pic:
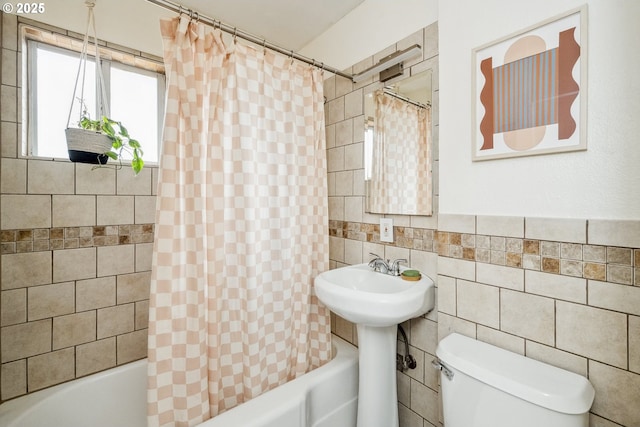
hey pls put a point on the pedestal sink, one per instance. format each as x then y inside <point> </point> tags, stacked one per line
<point>376,303</point>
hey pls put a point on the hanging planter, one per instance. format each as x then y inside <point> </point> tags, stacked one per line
<point>97,141</point>
<point>86,146</point>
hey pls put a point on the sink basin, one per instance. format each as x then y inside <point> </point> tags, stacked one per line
<point>363,296</point>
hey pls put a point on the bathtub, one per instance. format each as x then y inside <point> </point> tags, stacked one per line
<point>324,397</point>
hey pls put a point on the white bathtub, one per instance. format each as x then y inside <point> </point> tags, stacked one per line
<point>325,397</point>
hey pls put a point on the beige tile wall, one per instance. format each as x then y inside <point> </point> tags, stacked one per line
<point>75,258</point>
<point>564,317</point>
<point>552,308</point>
<point>563,291</point>
<point>355,233</point>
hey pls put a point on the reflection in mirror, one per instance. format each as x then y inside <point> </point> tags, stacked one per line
<point>397,148</point>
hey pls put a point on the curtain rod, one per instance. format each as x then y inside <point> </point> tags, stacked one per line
<point>177,8</point>
<point>405,99</point>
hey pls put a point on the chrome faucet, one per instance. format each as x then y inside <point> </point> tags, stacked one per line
<point>380,265</point>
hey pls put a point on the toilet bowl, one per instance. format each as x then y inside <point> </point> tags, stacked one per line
<point>486,386</point>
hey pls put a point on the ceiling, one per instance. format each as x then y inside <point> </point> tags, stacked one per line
<point>290,24</point>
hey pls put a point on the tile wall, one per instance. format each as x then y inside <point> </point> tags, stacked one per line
<point>355,233</point>
<point>76,248</point>
<point>563,291</point>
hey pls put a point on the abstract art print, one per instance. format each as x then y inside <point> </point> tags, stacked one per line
<point>529,90</point>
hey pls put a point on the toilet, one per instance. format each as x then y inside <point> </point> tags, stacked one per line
<point>486,386</point>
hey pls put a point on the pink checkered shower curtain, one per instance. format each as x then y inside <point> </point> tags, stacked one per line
<point>402,157</point>
<point>241,227</point>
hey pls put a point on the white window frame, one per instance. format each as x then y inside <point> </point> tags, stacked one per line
<point>29,97</point>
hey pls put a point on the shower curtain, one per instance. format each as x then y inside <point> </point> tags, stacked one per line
<point>402,157</point>
<point>241,227</point>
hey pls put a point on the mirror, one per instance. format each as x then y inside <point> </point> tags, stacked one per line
<point>397,147</point>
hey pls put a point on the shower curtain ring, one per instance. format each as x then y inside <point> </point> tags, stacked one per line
<point>235,34</point>
<point>197,15</point>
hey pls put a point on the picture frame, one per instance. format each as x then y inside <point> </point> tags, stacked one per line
<point>529,90</point>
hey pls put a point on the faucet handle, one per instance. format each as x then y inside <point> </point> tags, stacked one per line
<point>374,260</point>
<point>395,266</point>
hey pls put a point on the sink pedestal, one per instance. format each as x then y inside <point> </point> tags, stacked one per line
<point>377,395</point>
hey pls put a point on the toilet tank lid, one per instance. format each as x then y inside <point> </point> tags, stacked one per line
<point>536,382</point>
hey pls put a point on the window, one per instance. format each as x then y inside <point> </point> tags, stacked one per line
<point>135,96</point>
<point>368,148</point>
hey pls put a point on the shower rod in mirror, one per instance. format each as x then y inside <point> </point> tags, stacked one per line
<point>177,8</point>
<point>390,92</point>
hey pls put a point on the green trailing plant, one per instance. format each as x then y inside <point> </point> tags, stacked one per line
<point>121,141</point>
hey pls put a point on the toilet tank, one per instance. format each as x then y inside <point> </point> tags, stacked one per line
<point>493,387</point>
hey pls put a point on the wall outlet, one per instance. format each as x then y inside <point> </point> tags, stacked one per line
<point>386,230</point>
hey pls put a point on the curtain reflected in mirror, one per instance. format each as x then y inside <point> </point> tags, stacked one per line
<point>398,148</point>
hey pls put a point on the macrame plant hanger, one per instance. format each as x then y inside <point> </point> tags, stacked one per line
<point>87,146</point>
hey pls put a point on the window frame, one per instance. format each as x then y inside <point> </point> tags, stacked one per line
<point>29,79</point>
<point>161,83</point>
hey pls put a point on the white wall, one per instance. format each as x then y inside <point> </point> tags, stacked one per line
<point>602,182</point>
<point>370,28</point>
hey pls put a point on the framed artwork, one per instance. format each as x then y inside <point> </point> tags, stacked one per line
<point>530,90</point>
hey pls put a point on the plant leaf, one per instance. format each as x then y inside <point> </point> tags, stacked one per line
<point>137,165</point>
<point>123,130</point>
<point>121,141</point>
<point>108,129</point>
